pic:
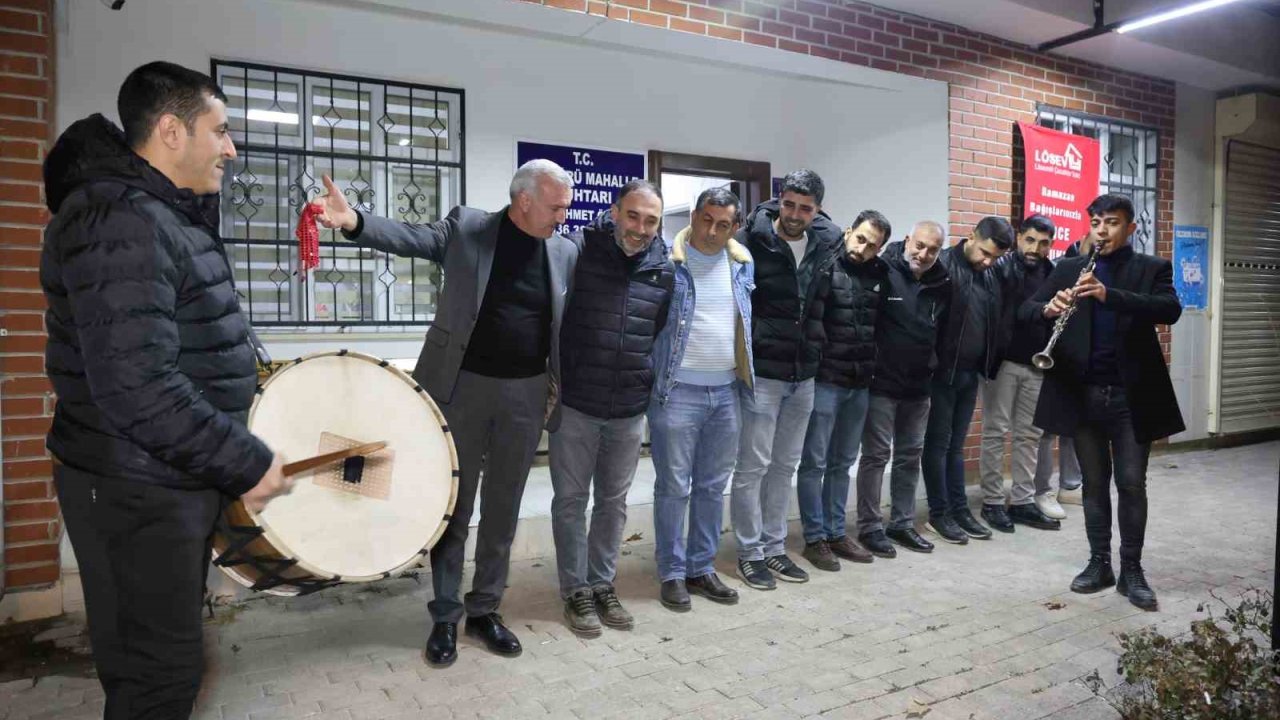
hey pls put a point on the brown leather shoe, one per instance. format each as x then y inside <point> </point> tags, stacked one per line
<point>846,548</point>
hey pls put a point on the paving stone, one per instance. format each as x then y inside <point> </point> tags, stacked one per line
<point>988,630</point>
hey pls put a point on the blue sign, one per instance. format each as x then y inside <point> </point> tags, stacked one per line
<point>597,175</point>
<point>1191,265</point>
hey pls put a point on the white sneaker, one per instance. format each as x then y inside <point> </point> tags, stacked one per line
<point>1048,504</point>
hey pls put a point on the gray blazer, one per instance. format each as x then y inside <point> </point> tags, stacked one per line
<point>463,243</point>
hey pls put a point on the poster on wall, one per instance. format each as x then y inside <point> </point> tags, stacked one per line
<point>1061,180</point>
<point>597,175</point>
<point>1191,265</point>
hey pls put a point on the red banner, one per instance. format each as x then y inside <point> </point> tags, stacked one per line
<point>1061,180</point>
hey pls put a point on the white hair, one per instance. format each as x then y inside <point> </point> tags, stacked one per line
<point>527,176</point>
<point>930,227</point>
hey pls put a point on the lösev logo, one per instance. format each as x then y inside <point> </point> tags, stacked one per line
<point>1071,158</point>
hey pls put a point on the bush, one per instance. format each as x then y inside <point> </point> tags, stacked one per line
<point>1223,669</point>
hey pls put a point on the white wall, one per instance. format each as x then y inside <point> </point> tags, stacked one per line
<point>1193,160</point>
<point>878,139</point>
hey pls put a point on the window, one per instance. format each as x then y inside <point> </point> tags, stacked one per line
<point>394,149</point>
<point>1130,160</point>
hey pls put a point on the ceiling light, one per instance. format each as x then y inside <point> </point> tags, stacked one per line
<point>1172,15</point>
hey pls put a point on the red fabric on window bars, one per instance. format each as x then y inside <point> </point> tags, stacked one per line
<point>308,238</point>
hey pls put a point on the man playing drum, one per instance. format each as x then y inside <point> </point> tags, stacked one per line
<point>491,361</point>
<point>149,356</point>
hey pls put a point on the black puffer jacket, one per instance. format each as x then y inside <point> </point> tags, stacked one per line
<point>148,351</point>
<point>852,295</point>
<point>786,329</point>
<point>619,305</point>
<point>910,322</point>
<point>963,277</point>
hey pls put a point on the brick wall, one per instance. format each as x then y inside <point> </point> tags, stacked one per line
<point>992,84</point>
<point>31,524</point>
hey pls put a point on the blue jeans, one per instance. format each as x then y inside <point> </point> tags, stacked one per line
<point>694,442</point>
<point>1105,447</point>
<point>1069,477</point>
<point>830,447</point>
<point>951,408</point>
<point>773,425</point>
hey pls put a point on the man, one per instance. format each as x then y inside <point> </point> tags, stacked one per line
<point>490,361</point>
<point>789,238</point>
<point>1009,400</point>
<point>150,360</point>
<point>969,350</point>
<point>853,287</point>
<point>622,285</point>
<point>1069,477</point>
<point>906,357</point>
<point>702,364</point>
<point>1109,387</point>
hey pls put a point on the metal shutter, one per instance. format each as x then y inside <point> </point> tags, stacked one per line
<point>1250,363</point>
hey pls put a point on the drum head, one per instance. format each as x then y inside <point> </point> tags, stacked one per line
<point>343,521</point>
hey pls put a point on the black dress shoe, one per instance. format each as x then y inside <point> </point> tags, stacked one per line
<point>997,517</point>
<point>1097,575</point>
<point>909,539</point>
<point>712,588</point>
<point>495,635</point>
<point>1032,516</point>
<point>970,525</point>
<point>1133,585</point>
<point>948,530</point>
<point>878,544</point>
<point>442,644</point>
<point>674,596</point>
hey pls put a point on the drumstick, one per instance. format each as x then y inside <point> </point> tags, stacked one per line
<point>294,468</point>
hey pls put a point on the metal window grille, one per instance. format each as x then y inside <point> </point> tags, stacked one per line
<point>394,149</point>
<point>1130,163</point>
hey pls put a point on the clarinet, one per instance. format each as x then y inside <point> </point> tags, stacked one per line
<point>1044,359</point>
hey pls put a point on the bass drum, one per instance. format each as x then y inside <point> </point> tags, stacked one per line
<point>355,521</point>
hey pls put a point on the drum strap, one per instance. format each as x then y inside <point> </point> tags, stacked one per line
<point>239,537</point>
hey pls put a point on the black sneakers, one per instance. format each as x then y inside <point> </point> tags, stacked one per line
<point>970,525</point>
<point>755,574</point>
<point>909,539</point>
<point>1097,575</point>
<point>1133,585</point>
<point>948,530</point>
<point>785,569</point>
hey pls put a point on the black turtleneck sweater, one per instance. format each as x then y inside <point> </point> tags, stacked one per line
<point>512,335</point>
<point>1104,368</point>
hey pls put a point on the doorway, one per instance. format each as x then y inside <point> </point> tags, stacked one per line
<point>683,177</point>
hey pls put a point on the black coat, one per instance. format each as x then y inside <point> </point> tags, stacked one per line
<point>148,352</point>
<point>619,305</point>
<point>786,329</point>
<point>852,295</point>
<point>1142,296</point>
<point>963,278</point>
<point>908,328</point>
<point>1022,337</point>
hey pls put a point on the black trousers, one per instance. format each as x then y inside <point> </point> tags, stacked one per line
<point>143,552</point>
<point>1105,447</point>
